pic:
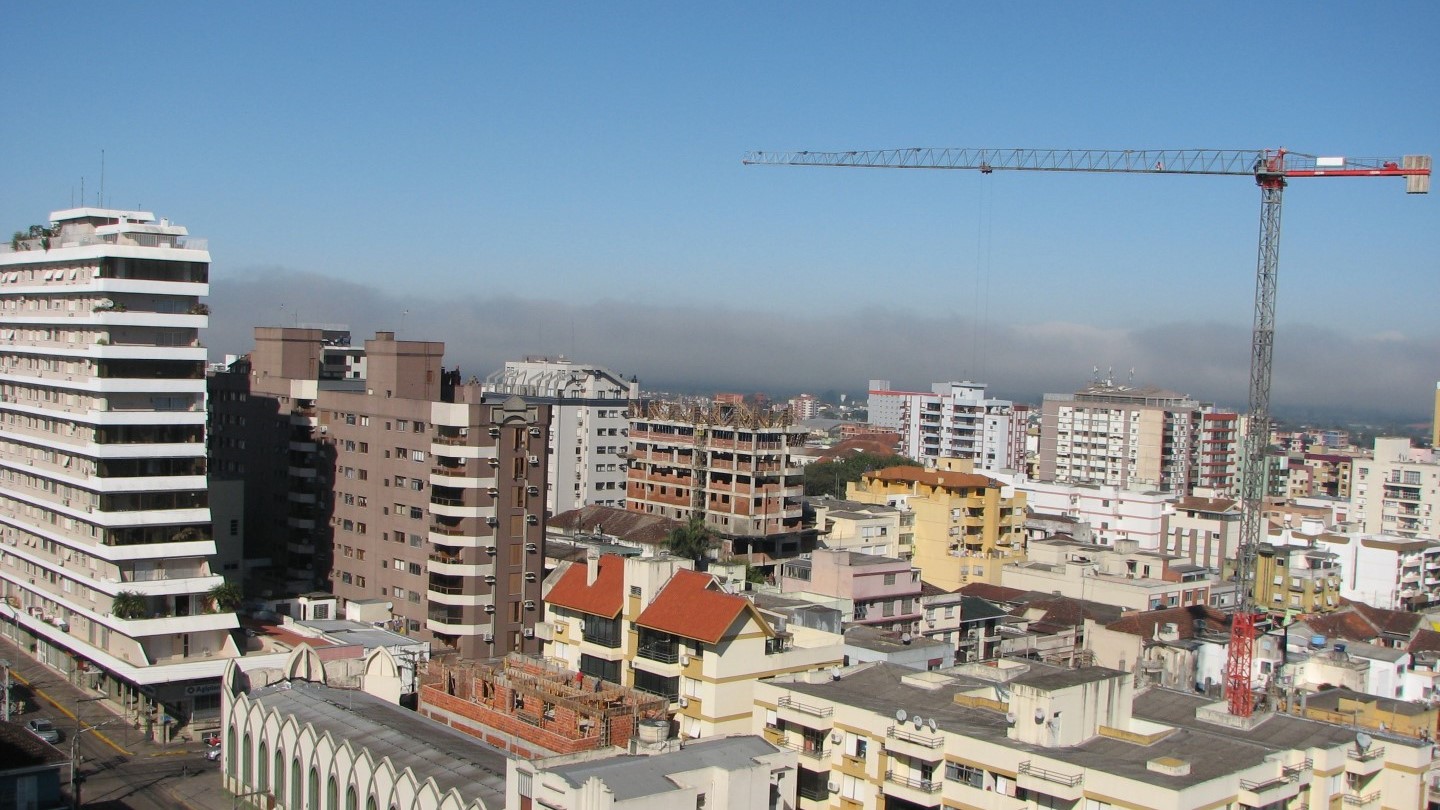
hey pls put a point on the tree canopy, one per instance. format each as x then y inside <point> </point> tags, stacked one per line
<point>692,540</point>
<point>830,477</point>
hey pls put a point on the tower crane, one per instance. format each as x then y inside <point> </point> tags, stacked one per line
<point>1271,169</point>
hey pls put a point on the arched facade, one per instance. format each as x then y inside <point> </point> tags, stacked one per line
<point>294,760</point>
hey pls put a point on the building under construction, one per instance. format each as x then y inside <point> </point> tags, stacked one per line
<point>729,463</point>
<point>534,708</point>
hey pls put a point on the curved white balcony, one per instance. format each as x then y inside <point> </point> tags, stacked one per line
<point>448,510</point>
<point>440,449</point>
<point>464,480</point>
<point>459,599</point>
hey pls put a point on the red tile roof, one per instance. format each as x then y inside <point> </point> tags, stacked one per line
<point>934,478</point>
<point>1425,641</point>
<point>604,598</point>
<point>1184,618</point>
<point>692,605</point>
<point>635,527</point>
<point>994,593</point>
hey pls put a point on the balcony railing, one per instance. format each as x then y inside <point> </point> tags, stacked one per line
<point>922,740</point>
<point>1069,780</point>
<point>664,653</point>
<point>922,785</point>
<point>788,702</point>
<point>818,793</point>
<point>1358,800</point>
<point>1373,752</point>
<point>613,642</point>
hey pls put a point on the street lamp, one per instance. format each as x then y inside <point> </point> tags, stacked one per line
<point>75,780</point>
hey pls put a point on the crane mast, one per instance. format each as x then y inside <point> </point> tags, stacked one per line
<point>1271,170</point>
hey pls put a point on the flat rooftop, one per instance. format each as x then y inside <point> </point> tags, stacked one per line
<point>1211,750</point>
<point>454,760</point>
<point>633,776</point>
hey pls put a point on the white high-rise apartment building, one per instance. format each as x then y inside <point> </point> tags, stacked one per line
<point>105,535</point>
<point>1397,491</point>
<point>1134,438</point>
<point>952,420</point>
<point>590,410</point>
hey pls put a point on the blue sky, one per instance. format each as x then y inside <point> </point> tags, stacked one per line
<point>578,153</point>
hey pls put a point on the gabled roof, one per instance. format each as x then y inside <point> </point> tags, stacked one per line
<point>993,593</point>
<point>1389,622</point>
<point>1144,624</point>
<point>1425,640</point>
<point>1064,611</point>
<point>604,598</point>
<point>692,605</point>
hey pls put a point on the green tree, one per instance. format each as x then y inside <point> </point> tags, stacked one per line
<point>830,477</point>
<point>692,540</point>
<point>226,597</point>
<point>129,605</point>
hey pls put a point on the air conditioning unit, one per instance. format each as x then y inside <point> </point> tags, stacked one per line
<point>489,638</point>
<point>494,491</point>
<point>684,701</point>
<point>532,490</point>
<point>534,459</point>
<point>494,462</point>
<point>834,788</point>
<point>530,576</point>
<point>489,608</point>
<point>529,604</point>
<point>534,431</point>
<point>494,432</point>
<point>684,660</point>
<point>529,632</point>
<point>837,738</point>
<point>492,520</point>
<point>489,579</point>
<point>489,549</point>
<point>532,519</point>
<point>531,547</point>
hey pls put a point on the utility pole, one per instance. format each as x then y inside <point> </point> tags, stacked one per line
<point>5,702</point>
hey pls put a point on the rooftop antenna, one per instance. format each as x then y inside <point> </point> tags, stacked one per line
<point>102,178</point>
<point>403,316</point>
<point>1131,379</point>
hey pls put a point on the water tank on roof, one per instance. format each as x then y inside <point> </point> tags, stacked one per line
<point>1317,642</point>
<point>653,731</point>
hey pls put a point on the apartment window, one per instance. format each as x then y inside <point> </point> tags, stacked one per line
<point>417,455</point>
<point>359,528</point>
<point>359,581</point>
<point>364,421</point>
<point>889,579</point>
<point>416,513</point>
<point>414,568</point>
<point>399,564</point>
<point>888,609</point>
<point>402,424</point>
<point>398,537</point>
<point>399,593</point>
<point>359,553</point>
<point>416,541</point>
<point>401,481</point>
<point>965,774</point>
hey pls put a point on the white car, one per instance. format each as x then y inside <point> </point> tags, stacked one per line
<point>44,729</point>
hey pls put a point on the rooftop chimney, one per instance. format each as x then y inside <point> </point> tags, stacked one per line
<point>592,567</point>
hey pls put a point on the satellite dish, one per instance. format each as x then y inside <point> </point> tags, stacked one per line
<point>1363,741</point>
<point>1039,716</point>
<point>919,721</point>
<point>901,715</point>
<point>1010,717</point>
<point>932,724</point>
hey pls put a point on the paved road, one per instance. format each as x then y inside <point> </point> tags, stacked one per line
<point>119,769</point>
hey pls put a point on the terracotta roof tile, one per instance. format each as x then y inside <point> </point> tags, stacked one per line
<point>636,527</point>
<point>933,478</point>
<point>1184,618</point>
<point>604,598</point>
<point>993,593</point>
<point>692,605</point>
<point>1425,641</point>
<point>1395,622</point>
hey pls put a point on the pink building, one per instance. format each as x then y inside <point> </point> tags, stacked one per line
<point>877,591</point>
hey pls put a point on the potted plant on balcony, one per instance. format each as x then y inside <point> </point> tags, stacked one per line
<point>225,597</point>
<point>128,605</point>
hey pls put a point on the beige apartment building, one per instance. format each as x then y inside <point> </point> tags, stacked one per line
<point>964,526</point>
<point>654,624</point>
<point>1397,491</point>
<point>1025,735</point>
<point>1137,438</point>
<point>1124,575</point>
<point>105,526</point>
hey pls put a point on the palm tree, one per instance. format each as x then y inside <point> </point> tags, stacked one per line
<point>692,540</point>
<point>226,597</point>
<point>129,605</point>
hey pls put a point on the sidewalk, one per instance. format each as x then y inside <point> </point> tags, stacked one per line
<point>67,704</point>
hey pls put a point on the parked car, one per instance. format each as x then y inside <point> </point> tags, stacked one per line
<point>212,753</point>
<point>44,729</point>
